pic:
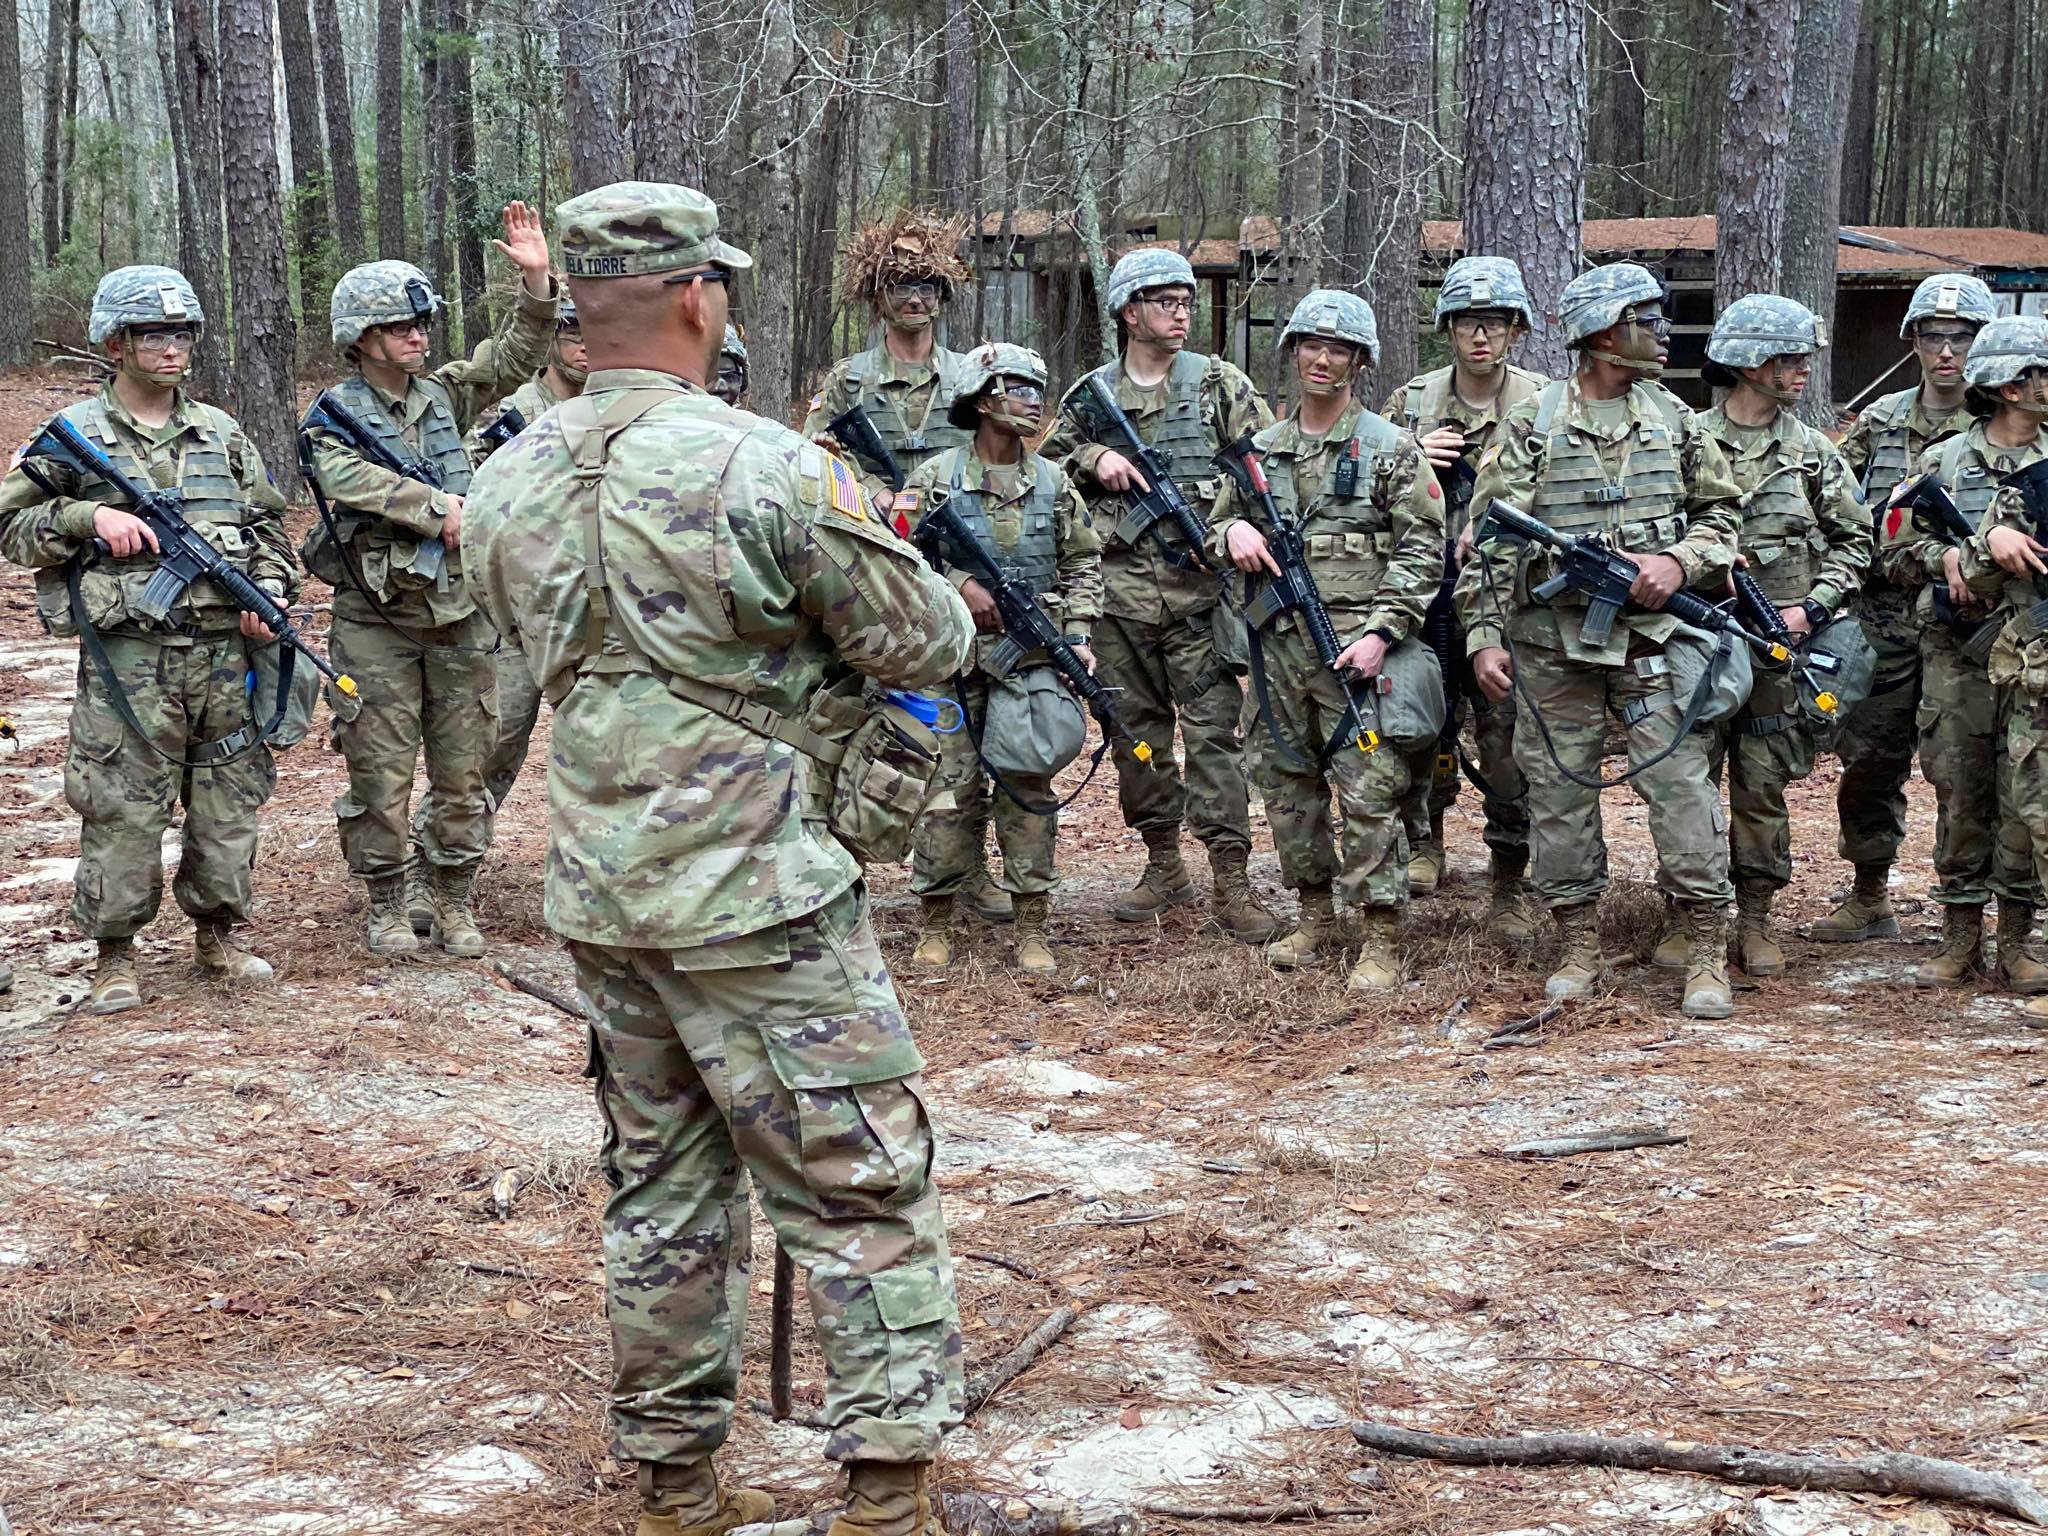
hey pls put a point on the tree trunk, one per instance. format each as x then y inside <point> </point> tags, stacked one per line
<point>67,160</point>
<point>311,235</point>
<point>1629,154</point>
<point>1073,42</point>
<point>53,129</point>
<point>956,140</point>
<point>1825,48</point>
<point>775,271</point>
<point>392,242</point>
<point>1401,168</point>
<point>668,112</point>
<point>174,117</point>
<point>202,235</point>
<point>264,338</point>
<point>590,87</point>
<point>17,245</point>
<point>1756,132</point>
<point>1859,139</point>
<point>339,102</point>
<point>1525,151</point>
<point>434,110</point>
<point>468,215</point>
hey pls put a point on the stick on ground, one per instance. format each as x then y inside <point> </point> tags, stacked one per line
<point>1920,1477</point>
<point>782,1322</point>
<point>1257,1514</point>
<point>1019,1360</point>
<point>1598,1141</point>
<point>541,990</point>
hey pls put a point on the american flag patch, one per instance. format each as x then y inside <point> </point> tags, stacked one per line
<point>846,497</point>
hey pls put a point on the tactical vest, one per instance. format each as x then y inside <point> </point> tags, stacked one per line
<point>440,437</point>
<point>1033,557</point>
<point>1185,438</point>
<point>1781,529</point>
<point>1891,455</point>
<point>1971,483</point>
<point>1349,539</point>
<point>912,442</point>
<point>1644,511</point>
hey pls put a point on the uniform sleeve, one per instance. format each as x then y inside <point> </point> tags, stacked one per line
<point>1244,409</point>
<point>274,566</point>
<point>1856,446</point>
<point>1906,554</point>
<point>350,480</point>
<point>1067,445</point>
<point>1506,471</point>
<point>504,361</point>
<point>1079,556</point>
<point>473,444</point>
<point>1415,566</point>
<point>36,530</point>
<point>1981,573</point>
<point>1845,524</point>
<point>1397,405</point>
<point>1231,506</point>
<point>826,403</point>
<point>1713,510</point>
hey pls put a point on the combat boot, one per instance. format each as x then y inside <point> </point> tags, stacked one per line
<point>1316,932</point>
<point>1674,945</point>
<point>115,985</point>
<point>220,956</point>
<point>1426,861</point>
<point>984,898</point>
<point>684,1499</point>
<point>1961,955</point>
<point>390,931</point>
<point>1164,884</point>
<point>419,905</point>
<point>1755,950</point>
<point>2018,962</point>
<point>1507,915</point>
<point>2035,1014</point>
<point>1032,954</point>
<point>1707,992</point>
<point>1580,965</point>
<point>888,1498</point>
<point>448,890</point>
<point>1235,907</point>
<point>935,934</point>
<point>1867,914</point>
<point>1379,963</point>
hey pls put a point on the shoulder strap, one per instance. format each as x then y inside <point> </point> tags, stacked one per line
<point>1375,434</point>
<point>587,432</point>
<point>1952,451</point>
<point>1548,403</point>
<point>1435,398</point>
<point>1671,409</point>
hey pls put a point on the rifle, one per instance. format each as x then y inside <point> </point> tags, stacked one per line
<point>1440,621</point>
<point>941,536</point>
<point>1294,591</point>
<point>431,558</point>
<point>183,556</point>
<point>1162,500</point>
<point>500,432</point>
<point>855,431</point>
<point>1754,606</point>
<point>1935,514</point>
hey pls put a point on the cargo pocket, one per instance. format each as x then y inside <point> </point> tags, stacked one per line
<point>865,1149</point>
<point>93,781</point>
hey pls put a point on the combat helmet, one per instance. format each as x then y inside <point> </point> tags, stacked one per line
<point>2006,350</point>
<point>1483,282</point>
<point>141,295</point>
<point>565,309</point>
<point>1756,328</point>
<point>1338,315</point>
<point>1594,300</point>
<point>731,380</point>
<point>1949,296</point>
<point>380,293</point>
<point>1146,268</point>
<point>985,364</point>
<point>734,346</point>
<point>910,245</point>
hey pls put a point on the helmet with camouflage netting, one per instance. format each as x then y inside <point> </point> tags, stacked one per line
<point>1949,296</point>
<point>1758,327</point>
<point>142,295</point>
<point>1483,282</point>
<point>1340,316</point>
<point>987,363</point>
<point>380,293</point>
<point>1144,269</point>
<point>565,310</point>
<point>2005,351</point>
<point>1594,300</point>
<point>911,245</point>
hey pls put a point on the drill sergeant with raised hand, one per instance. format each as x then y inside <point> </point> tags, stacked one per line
<point>731,383</point>
<point>185,679</point>
<point>1024,509</point>
<point>1456,411</point>
<point>415,641</point>
<point>683,575</point>
<point>1876,741</point>
<point>1981,847</point>
<point>1167,640</point>
<point>1610,453</point>
<point>1806,539</point>
<point>1372,516</point>
<point>2007,558</point>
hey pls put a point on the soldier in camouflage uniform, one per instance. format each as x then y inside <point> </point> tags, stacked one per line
<point>2006,561</point>
<point>1981,848</point>
<point>1609,452</point>
<point>1876,741</point>
<point>414,640</point>
<point>1806,538</point>
<point>1166,639</point>
<point>1455,411</point>
<point>744,1021</point>
<point>186,679</point>
<point>1372,514</point>
<point>1025,510</point>
<point>731,383</point>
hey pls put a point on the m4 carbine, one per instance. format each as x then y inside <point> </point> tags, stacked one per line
<point>183,555</point>
<point>329,414</point>
<point>510,424</point>
<point>1161,500</point>
<point>1926,500</point>
<point>854,430</point>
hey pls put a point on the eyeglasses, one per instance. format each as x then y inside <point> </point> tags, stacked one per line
<point>1937,342</point>
<point>1469,325</point>
<point>401,328</point>
<point>1311,346</point>
<point>1024,390</point>
<point>1169,303</point>
<point>1657,324</point>
<point>903,292</point>
<point>569,332</point>
<point>163,341</point>
<point>705,274</point>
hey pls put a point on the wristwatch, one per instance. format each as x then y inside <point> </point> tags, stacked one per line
<point>1078,640</point>
<point>1815,614</point>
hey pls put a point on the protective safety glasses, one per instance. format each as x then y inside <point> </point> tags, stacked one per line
<point>163,341</point>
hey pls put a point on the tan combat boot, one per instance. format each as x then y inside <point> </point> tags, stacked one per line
<point>115,985</point>
<point>1507,913</point>
<point>419,905</point>
<point>1580,965</point>
<point>1707,992</point>
<point>1236,907</point>
<point>1316,932</point>
<point>1867,914</point>
<point>1164,884</point>
<point>684,1499</point>
<point>1032,954</point>
<point>2035,1014</point>
<point>1960,958</point>
<point>1756,951</point>
<point>390,931</point>
<point>984,898</point>
<point>220,956</point>
<point>1379,964</point>
<point>448,890</point>
<point>1426,862</point>
<point>888,1498</point>
<point>1674,945</point>
<point>2018,962</point>
<point>935,934</point>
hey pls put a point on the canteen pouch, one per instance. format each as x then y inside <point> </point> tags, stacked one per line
<point>267,662</point>
<point>872,781</point>
<point>1410,687</point>
<point>1840,659</point>
<point>1694,659</point>
<point>1034,725</point>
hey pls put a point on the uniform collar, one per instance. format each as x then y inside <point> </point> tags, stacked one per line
<point>183,415</point>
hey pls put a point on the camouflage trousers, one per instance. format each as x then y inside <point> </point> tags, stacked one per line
<point>1434,780</point>
<point>797,1071</point>
<point>1170,675</point>
<point>1875,742</point>
<point>1367,859</point>
<point>185,693</point>
<point>2026,751</point>
<point>518,713</point>
<point>1566,842</point>
<point>1981,847</point>
<point>949,843</point>
<point>435,690</point>
<point>1768,744</point>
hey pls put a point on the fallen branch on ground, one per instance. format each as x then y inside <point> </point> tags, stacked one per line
<point>1014,1266</point>
<point>1511,1034</point>
<point>1006,1370</point>
<point>1896,1472</point>
<point>782,1323</point>
<point>1257,1514</point>
<point>1598,1141</point>
<point>543,991</point>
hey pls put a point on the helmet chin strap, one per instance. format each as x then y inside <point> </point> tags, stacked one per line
<point>1325,390</point>
<point>1648,367</point>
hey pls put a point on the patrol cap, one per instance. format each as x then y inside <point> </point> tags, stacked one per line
<point>638,228</point>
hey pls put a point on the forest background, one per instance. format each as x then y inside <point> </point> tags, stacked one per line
<point>263,146</point>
